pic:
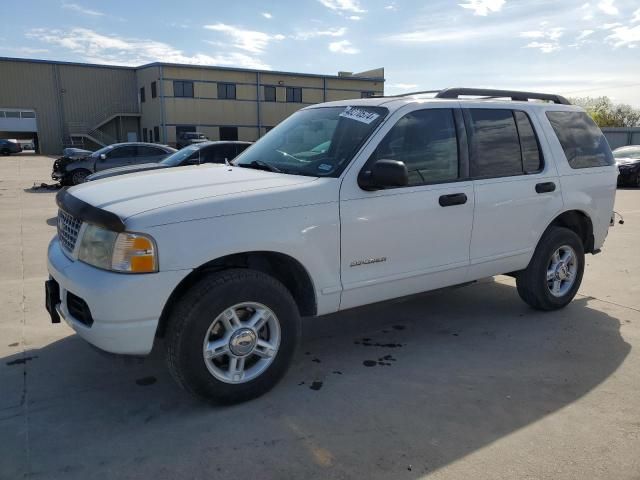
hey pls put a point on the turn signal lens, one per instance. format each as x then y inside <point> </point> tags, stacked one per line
<point>134,253</point>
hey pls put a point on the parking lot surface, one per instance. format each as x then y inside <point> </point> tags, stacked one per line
<point>467,382</point>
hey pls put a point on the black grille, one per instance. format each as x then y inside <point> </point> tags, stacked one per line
<point>79,309</point>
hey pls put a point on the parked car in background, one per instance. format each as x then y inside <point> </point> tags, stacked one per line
<point>189,138</point>
<point>7,147</point>
<point>28,146</point>
<point>72,171</point>
<point>206,152</point>
<point>628,162</point>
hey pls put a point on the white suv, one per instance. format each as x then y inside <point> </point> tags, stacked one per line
<point>343,204</point>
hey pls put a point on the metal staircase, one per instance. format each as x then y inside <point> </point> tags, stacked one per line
<point>76,134</point>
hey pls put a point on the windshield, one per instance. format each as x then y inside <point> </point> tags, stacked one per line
<point>627,152</point>
<point>315,142</point>
<point>177,158</point>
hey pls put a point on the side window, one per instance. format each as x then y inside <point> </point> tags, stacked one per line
<point>241,147</point>
<point>182,88</point>
<point>144,151</point>
<point>426,141</point>
<point>494,144</point>
<point>218,153</point>
<point>583,143</point>
<point>227,90</point>
<point>122,152</point>
<point>531,155</point>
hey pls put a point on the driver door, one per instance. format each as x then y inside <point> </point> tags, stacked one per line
<point>403,240</point>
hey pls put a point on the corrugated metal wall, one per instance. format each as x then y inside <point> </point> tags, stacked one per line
<point>620,137</point>
<point>63,93</point>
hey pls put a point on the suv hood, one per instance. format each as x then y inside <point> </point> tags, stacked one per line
<point>112,172</point>
<point>190,191</point>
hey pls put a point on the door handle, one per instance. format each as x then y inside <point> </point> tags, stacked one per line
<point>545,187</point>
<point>453,199</point>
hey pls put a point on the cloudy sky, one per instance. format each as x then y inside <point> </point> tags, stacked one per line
<point>576,48</point>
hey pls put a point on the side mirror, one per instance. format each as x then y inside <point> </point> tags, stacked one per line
<point>384,173</point>
<point>103,156</point>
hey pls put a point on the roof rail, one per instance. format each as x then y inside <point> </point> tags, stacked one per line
<point>512,94</point>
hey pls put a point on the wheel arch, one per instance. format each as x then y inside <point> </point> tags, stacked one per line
<point>286,269</point>
<point>579,222</point>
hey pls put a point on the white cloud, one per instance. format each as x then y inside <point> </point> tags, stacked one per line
<point>587,10</point>
<point>584,34</point>
<point>391,7</point>
<point>610,26</point>
<point>354,17</point>
<point>247,40</point>
<point>625,36</point>
<point>483,7</point>
<point>343,5</point>
<point>24,50</point>
<point>330,32</point>
<point>343,46</point>
<point>436,36</point>
<point>80,9</point>
<point>608,7</point>
<point>636,16</point>
<point>112,50</point>
<point>267,15</point>
<point>551,33</point>
<point>545,47</point>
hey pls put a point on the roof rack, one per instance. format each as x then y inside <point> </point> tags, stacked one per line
<point>488,93</point>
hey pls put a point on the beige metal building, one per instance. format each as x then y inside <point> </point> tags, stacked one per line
<point>61,104</point>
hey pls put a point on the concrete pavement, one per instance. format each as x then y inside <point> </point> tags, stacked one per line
<point>464,383</point>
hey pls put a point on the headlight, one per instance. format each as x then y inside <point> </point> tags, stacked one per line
<point>119,252</point>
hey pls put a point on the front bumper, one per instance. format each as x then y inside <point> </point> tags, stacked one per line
<point>125,308</point>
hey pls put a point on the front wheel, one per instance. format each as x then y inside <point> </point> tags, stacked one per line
<point>79,176</point>
<point>553,276</point>
<point>6,152</point>
<point>232,336</point>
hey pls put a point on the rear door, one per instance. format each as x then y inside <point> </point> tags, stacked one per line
<point>517,193</point>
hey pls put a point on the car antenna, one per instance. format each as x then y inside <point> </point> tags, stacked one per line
<point>226,162</point>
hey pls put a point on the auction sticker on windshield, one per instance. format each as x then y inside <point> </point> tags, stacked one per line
<point>359,115</point>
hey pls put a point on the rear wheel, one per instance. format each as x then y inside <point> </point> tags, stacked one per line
<point>232,336</point>
<point>553,277</point>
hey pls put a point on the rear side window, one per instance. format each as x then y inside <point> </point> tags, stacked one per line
<point>495,148</point>
<point>531,156</point>
<point>502,143</point>
<point>583,143</point>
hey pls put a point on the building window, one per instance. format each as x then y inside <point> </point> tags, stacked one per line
<point>144,135</point>
<point>154,90</point>
<point>269,93</point>
<point>151,136</point>
<point>294,94</point>
<point>142,97</point>
<point>367,94</point>
<point>228,133</point>
<point>182,89</point>
<point>156,133</point>
<point>227,90</point>
<point>11,114</point>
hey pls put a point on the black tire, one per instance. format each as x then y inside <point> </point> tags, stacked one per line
<point>636,183</point>
<point>6,152</point>
<point>532,282</point>
<point>193,314</point>
<point>79,176</point>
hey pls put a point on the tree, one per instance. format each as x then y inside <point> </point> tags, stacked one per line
<point>607,114</point>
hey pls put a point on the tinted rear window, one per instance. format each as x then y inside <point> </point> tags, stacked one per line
<point>495,147</point>
<point>583,143</point>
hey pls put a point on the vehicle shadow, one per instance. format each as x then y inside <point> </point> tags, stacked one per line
<point>422,381</point>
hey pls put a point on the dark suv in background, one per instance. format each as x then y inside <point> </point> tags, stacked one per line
<point>189,138</point>
<point>7,147</point>
<point>206,152</point>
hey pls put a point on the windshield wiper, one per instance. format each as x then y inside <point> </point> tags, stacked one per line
<point>260,165</point>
